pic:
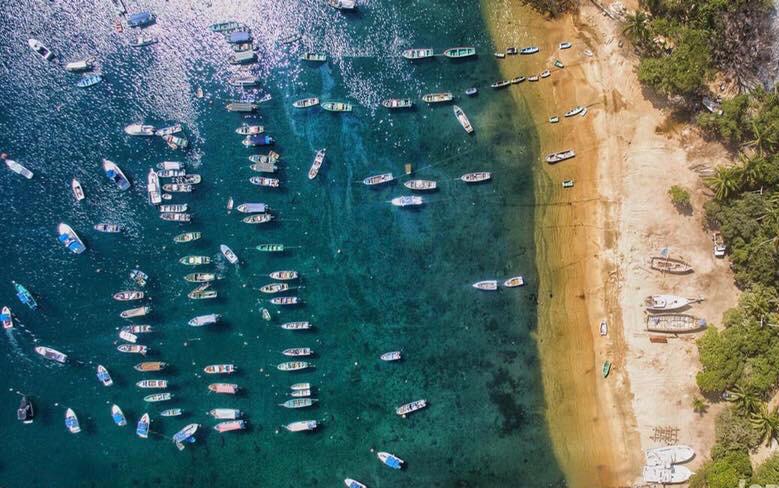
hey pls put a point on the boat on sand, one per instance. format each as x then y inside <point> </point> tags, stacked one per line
<point>674,323</point>
<point>670,265</point>
<point>666,475</point>
<point>668,455</point>
<point>666,303</point>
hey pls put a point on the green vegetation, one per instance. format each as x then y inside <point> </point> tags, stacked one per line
<point>680,197</point>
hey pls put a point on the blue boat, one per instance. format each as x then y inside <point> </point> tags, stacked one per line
<point>116,175</point>
<point>118,416</point>
<point>88,81</point>
<point>141,19</point>
<point>143,427</point>
<point>239,37</point>
<point>68,237</point>
<point>258,140</point>
<point>25,296</point>
<point>186,433</point>
<point>390,460</point>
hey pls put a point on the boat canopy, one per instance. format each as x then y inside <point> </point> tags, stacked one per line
<point>239,37</point>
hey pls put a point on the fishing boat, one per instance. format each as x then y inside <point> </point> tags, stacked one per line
<point>115,174</point>
<point>118,415</point>
<point>271,157</point>
<point>68,237</point>
<point>144,41</point>
<point>195,260</point>
<point>262,181</point>
<point>133,349</point>
<point>378,179</point>
<point>171,412</point>
<point>606,368</point>
<point>674,323</point>
<point>201,294</point>
<point>533,78</point>
<point>228,254</point>
<point>258,140</point>
<point>103,376</point>
<point>25,296</point>
<point>560,156</point>
<point>139,130</point>
<point>18,168</point>
<point>71,421</point>
<point>298,351</point>
<point>306,102</point>
<point>300,386</point>
<point>135,312</point>
<point>514,282</point>
<point>108,228</point>
<point>318,160</point>
<point>471,91</point>
<point>158,397</point>
<point>407,201</point>
<point>666,303</point>
<point>128,336</point>
<point>257,218</point>
<point>185,433</point>
<point>351,483</point>
<point>6,318</point>
<point>225,413</point>
<point>124,296</point>
<point>565,45</point>
<point>460,52</point>
<point>187,237</point>
<point>529,50</point>
<point>202,320</point>
<point>517,80</point>
<point>500,83</point>
<point>230,425</point>
<point>315,57</point>
<point>250,130</point>
<point>438,97</point>
<point>298,403</point>
<point>396,103</point>
<point>150,366</point>
<point>668,455</point>
<point>274,288</point>
<point>219,369</point>
<point>222,27</point>
<point>285,301</point>
<point>175,165</point>
<point>408,408</point>
<point>574,111</point>
<point>390,460</point>
<point>171,173</point>
<point>241,107</point>
<point>488,285</point>
<point>52,354</point>
<point>201,277</point>
<point>463,119</point>
<point>670,265</point>
<point>174,208</point>
<point>252,208</point>
<point>666,475</point>
<point>301,426</point>
<point>141,19</point>
<point>225,388</point>
<point>78,191</point>
<point>271,247</point>
<point>175,142</point>
<point>243,57</point>
<point>423,53</point>
<point>230,202</point>
<point>40,49</point>
<point>296,325</point>
<point>137,329</point>
<point>343,4</point>
<point>264,167</point>
<point>337,106</point>
<point>420,185</point>
<point>142,429</point>
<point>300,393</point>
<point>284,275</point>
<point>477,177</point>
<point>294,366</point>
<point>391,356</point>
<point>90,80</point>
<point>166,131</point>
<point>152,384</point>
<point>25,412</point>
<point>244,81</point>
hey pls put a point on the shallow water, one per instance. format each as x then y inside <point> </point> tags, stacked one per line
<point>375,278</point>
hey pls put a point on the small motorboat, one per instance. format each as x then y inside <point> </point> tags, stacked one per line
<point>24,296</point>
<point>71,421</point>
<point>294,366</point>
<point>225,413</point>
<point>407,201</point>
<point>460,52</point>
<point>421,185</point>
<point>219,369</point>
<point>128,295</point>
<point>202,320</point>
<point>391,356</point>
<point>187,237</point>
<point>171,412</point>
<point>529,50</point>
<point>141,19</point>
<point>78,191</point>
<point>337,106</point>
<point>115,174</point>
<point>249,130</point>
<point>230,425</point>
<point>390,460</point>
<point>90,80</point>
<point>158,397</point>
<point>303,325</point>
<point>317,164</point>
<point>408,408</point>
<point>314,57</point>
<point>298,351</point>
<point>137,329</point>
<point>103,376</point>
<point>286,301</point>
<point>150,366</point>
<point>414,54</point>
<point>133,349</point>
<point>258,140</point>
<point>51,354</point>
<point>152,384</point>
<point>175,142</point>
<point>306,102</point>
<point>40,49</point>
<point>144,41</point>
<point>78,66</point>
<point>262,181</point>
<point>274,288</point>
<point>18,169</point>
<point>225,388</point>
<point>252,208</point>
<point>463,119</point>
<point>202,277</point>
<point>140,130</point>
<point>195,260</point>
<point>135,312</point>
<point>397,103</point>
<point>343,4</point>
<point>574,111</point>
<point>166,131</point>
<point>298,403</point>
<point>25,412</point>
<point>351,483</point>
<point>128,336</point>
<point>175,217</point>
<point>301,426</point>
<point>244,81</point>
<point>284,275</point>
<point>438,97</point>
<point>228,254</point>
<point>378,179</point>
<point>257,219</point>
<point>477,177</point>
<point>118,415</point>
<point>471,91</point>
<point>142,430</point>
<point>514,282</point>
<point>6,318</point>
<point>545,74</point>
<point>68,237</point>
<point>185,433</point>
<point>488,285</point>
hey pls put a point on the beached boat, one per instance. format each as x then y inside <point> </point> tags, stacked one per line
<point>257,218</point>
<point>560,156</point>
<point>6,318</point>
<point>554,119</point>
<point>408,408</point>
<point>258,140</point>
<point>251,208</point>
<point>24,296</point>
<point>298,403</point>
<point>529,50</point>
<point>391,356</point>
<point>460,52</point>
<point>574,111</point>
<point>318,160</point>
<point>303,325</point>
<point>108,228</point>
<point>670,265</point>
<point>25,413</point>
<point>262,181</point>
<point>514,282</point>
<point>533,78</point>
<point>407,201</point>
<point>202,320</point>
<point>606,368</point>
<point>250,130</point>
<point>124,296</point>
<point>228,254</point>
<point>71,421</point>
<point>241,107</point>
<point>390,460</point>
<point>337,106</point>
<point>668,455</point>
<point>667,475</point>
<point>285,301</point>
<point>418,53</point>
<point>674,323</point>
<point>565,45</point>
<point>118,415</point>
<point>568,183</point>
<point>666,303</point>
<point>187,237</point>
<point>463,119</point>
<point>517,80</point>
<point>499,55</point>
<point>201,277</point>
<point>224,388</point>
<point>230,425</point>
<point>39,49</point>
<point>171,412</point>
<point>378,179</point>
<point>90,80</point>
<point>301,426</point>
<point>421,185</point>
<point>115,174</point>
<point>133,349</point>
<point>306,102</point>
<point>545,74</point>
<point>137,329</point>
<point>396,103</point>
<point>274,288</point>
<point>142,429</point>
<point>158,397</point>
<point>438,97</point>
<point>225,413</point>
<point>284,275</point>
<point>219,369</point>
<point>68,237</point>
<point>298,351</point>
<point>314,57</point>
<point>51,354</point>
<point>488,285</point>
<point>294,366</point>
<point>104,376</point>
<point>152,384</point>
<point>343,4</point>
<point>500,83</point>
<point>150,366</point>
<point>18,168</point>
<point>195,260</point>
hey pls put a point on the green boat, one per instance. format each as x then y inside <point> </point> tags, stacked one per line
<point>271,247</point>
<point>337,106</point>
<point>606,368</point>
<point>460,52</point>
<point>187,237</point>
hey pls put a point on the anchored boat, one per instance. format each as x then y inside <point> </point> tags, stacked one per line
<point>318,160</point>
<point>337,106</point>
<point>396,103</point>
<point>202,320</point>
<point>52,354</point>
<point>390,460</point>
<point>225,388</point>
<point>378,179</point>
<point>421,185</point>
<point>40,49</point>
<point>391,356</point>
<point>418,53</point>
<point>24,296</point>
<point>6,318</point>
<point>115,174</point>
<point>142,429</point>
<point>488,285</point>
<point>103,376</point>
<point>463,119</point>
<point>407,201</point>
<point>294,366</point>
<point>118,415</point>
<point>408,408</point>
<point>306,102</point>
<point>460,52</point>
<point>438,97</point>
<point>228,254</point>
<point>150,366</point>
<point>18,168</point>
<point>68,237</point>
<point>71,421</point>
<point>301,426</point>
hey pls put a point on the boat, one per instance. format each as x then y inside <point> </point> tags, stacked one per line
<point>225,413</point>
<point>301,426</point>
<point>175,165</point>
<point>668,455</point>
<point>343,4</point>
<point>228,254</point>
<point>6,318</point>
<point>554,119</point>
<point>300,386</point>
<point>460,52</point>
<point>142,430</point>
<point>420,185</point>
<point>137,329</point>
<point>195,260</point>
<point>115,174</point>
<point>606,368</point>
<point>141,19</point>
<point>158,397</point>
<point>463,119</point>
<point>226,26</point>
<point>80,65</point>
<point>201,277</point>
<point>71,421</point>
<point>574,111</point>
<point>351,483</point>
<point>90,80</point>
<point>230,426</point>
<point>274,288</point>
<point>284,275</point>
<point>252,208</point>
<point>152,384</point>
<point>202,294</point>
<point>271,157</point>
<point>390,460</point>
<point>533,78</point>
<point>298,403</point>
<point>202,320</point>
<point>298,351</point>
<point>529,50</point>
<point>68,237</point>
<point>476,177</point>
<point>128,336</point>
<point>185,433</point>
<point>511,50</point>
<point>438,97</point>
<point>40,49</point>
<point>226,388</point>
<point>52,354</point>
<point>250,130</point>
<point>667,475</point>
<point>174,208</point>
<point>408,408</point>
<point>264,167</point>
<point>150,366</point>
<point>378,179</point>
<point>187,237</point>
<point>294,366</point>
<point>300,393</point>
<point>135,312</point>
<point>407,201</point>
<point>258,140</point>
<point>296,325</point>
<point>285,301</point>
<point>499,55</point>
<point>318,160</point>
<point>545,74</point>
<point>418,53</point>
<point>560,156</point>
<point>257,219</point>
<point>271,247</point>
<point>171,173</point>
<point>315,57</point>
<point>175,142</point>
<point>500,83</point>
<point>144,41</point>
<point>103,376</point>
<point>124,296</point>
<point>171,412</point>
<point>488,285</point>
<point>219,369</point>
<point>559,64</point>
<point>262,181</point>
<point>166,131</point>
<point>337,106</point>
<point>670,265</point>
<point>24,296</point>
<point>396,103</point>
<point>133,349</point>
<point>471,91</point>
<point>674,323</point>
<point>514,282</point>
<point>241,107</point>
<point>139,130</point>
<point>391,356</point>
<point>25,412</point>
<point>565,45</point>
<point>568,183</point>
<point>18,168</point>
<point>306,102</point>
<point>665,303</point>
<point>517,80</point>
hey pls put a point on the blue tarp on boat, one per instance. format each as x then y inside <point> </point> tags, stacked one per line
<point>239,37</point>
<point>141,19</point>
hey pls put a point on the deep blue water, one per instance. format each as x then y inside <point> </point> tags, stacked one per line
<point>375,278</point>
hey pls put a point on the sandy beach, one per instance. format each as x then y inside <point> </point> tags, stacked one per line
<point>594,242</point>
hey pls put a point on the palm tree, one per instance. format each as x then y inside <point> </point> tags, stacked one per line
<point>637,28</point>
<point>753,170</point>
<point>746,400</point>
<point>766,423</point>
<point>725,181</point>
<point>699,406</point>
<point>762,142</point>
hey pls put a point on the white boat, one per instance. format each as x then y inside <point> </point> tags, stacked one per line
<point>202,320</point>
<point>477,177</point>
<point>225,413</point>
<point>488,285</point>
<point>303,325</point>
<point>421,185</point>
<point>128,336</point>
<point>306,102</point>
<point>219,369</point>
<point>390,460</point>
<point>667,455</point>
<point>418,53</point>
<point>152,384</point>
<point>250,130</point>
<point>40,49</point>
<point>407,201</point>
<point>408,408</point>
<point>68,237</point>
<point>78,66</point>
<point>318,160</point>
<point>660,303</point>
<point>142,429</point>
<point>560,156</point>
<point>438,97</point>
<point>115,174</point>
<point>297,351</point>
<point>228,254</point>
<point>514,282</point>
<point>144,41</point>
<point>378,179</point>
<point>565,45</point>
<point>166,131</point>
<point>463,119</point>
<point>343,4</point>
<point>667,475</point>
<point>135,312</point>
<point>18,168</point>
<point>252,208</point>
<point>391,356</point>
<point>103,376</point>
<point>529,50</point>
<point>301,426</point>
<point>52,354</point>
<point>300,386</point>
<point>139,130</point>
<point>175,165</point>
<point>6,318</point>
<point>78,191</point>
<point>71,421</point>
<point>574,111</point>
<point>118,415</point>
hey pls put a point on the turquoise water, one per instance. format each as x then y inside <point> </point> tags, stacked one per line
<point>375,277</point>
